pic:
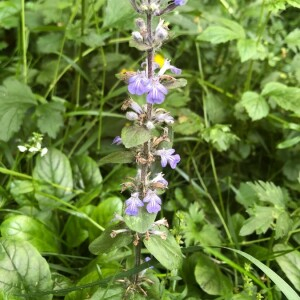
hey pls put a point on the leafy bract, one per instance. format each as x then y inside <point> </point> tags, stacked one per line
<point>166,251</point>
<point>15,99</point>
<point>28,229</point>
<point>210,278</point>
<point>118,157</point>
<point>54,177</point>
<point>23,270</point>
<point>133,136</point>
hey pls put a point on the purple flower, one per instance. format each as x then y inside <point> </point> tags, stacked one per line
<point>154,202</point>
<point>138,84</point>
<point>167,66</point>
<point>117,140</point>
<point>160,178</point>
<point>167,156</point>
<point>164,117</point>
<point>133,204</point>
<point>157,92</point>
<point>179,2</point>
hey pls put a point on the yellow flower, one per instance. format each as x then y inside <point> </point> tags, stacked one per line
<point>159,59</point>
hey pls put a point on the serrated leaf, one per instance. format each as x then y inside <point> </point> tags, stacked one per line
<point>166,251</point>
<point>246,195</point>
<point>255,105</point>
<point>118,157</point>
<point>133,136</point>
<point>286,97</point>
<point>293,39</point>
<point>25,228</point>
<point>142,222</point>
<point>219,34</point>
<point>23,270</point>
<point>105,243</point>
<point>210,278</point>
<point>269,192</point>
<point>188,122</point>
<point>294,3</point>
<point>54,175</point>
<point>49,43</point>
<point>15,99</point>
<point>86,172</point>
<point>116,12</point>
<point>50,118</point>
<point>283,225</point>
<point>249,49</point>
<point>260,221</point>
<point>289,263</point>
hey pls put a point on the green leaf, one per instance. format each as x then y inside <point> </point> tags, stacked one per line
<point>218,34</point>
<point>49,43</point>
<point>142,222</point>
<point>249,49</point>
<point>279,282</point>
<point>86,172</point>
<point>113,293</point>
<point>175,84</point>
<point>289,143</point>
<point>269,192</point>
<point>22,191</point>
<point>54,175</point>
<point>166,251</point>
<point>210,278</point>
<point>246,195</point>
<point>283,225</point>
<point>286,97</point>
<point>289,263</point>
<point>25,228</point>
<point>255,105</point>
<point>188,122</point>
<point>133,136</point>
<point>50,118</point>
<point>294,3</point>
<point>15,99</point>
<point>260,221</point>
<point>118,157</point>
<point>293,39</point>
<point>105,243</point>
<point>116,12</point>
<point>23,270</point>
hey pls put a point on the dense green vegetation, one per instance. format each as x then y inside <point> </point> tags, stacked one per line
<point>232,202</point>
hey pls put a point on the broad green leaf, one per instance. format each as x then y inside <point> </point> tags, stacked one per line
<point>216,108</point>
<point>133,136</point>
<point>113,293</point>
<point>260,221</point>
<point>283,225</point>
<point>86,172</point>
<point>221,34</point>
<point>294,3</point>
<point>118,157</point>
<point>9,11</point>
<point>106,210</point>
<point>249,49</point>
<point>188,122</point>
<point>279,282</point>
<point>293,39</point>
<point>255,105</point>
<point>22,191</point>
<point>54,175</point>
<point>210,278</point>
<point>25,228</point>
<point>166,251</point>
<point>49,43</point>
<point>15,99</point>
<point>142,222</point>
<point>269,192</point>
<point>23,270</point>
<point>105,242</point>
<point>116,12</point>
<point>246,195</point>
<point>50,118</point>
<point>289,263</point>
<point>286,97</point>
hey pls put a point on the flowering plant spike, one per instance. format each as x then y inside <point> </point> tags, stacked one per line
<point>148,135</point>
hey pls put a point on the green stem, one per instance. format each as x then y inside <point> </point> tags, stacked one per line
<point>24,44</point>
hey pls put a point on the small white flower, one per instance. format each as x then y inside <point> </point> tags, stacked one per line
<point>33,149</point>
<point>150,125</point>
<point>22,148</point>
<point>44,152</point>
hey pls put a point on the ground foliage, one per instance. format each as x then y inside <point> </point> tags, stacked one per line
<point>237,131</point>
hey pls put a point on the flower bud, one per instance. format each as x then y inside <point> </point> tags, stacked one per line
<point>132,116</point>
<point>150,125</point>
<point>140,23</point>
<point>137,37</point>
